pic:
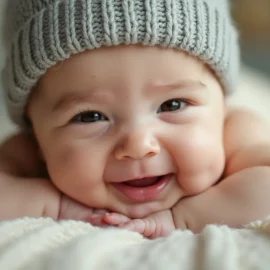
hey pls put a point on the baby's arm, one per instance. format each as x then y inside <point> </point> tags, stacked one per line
<point>33,197</point>
<point>23,190</point>
<point>243,194</point>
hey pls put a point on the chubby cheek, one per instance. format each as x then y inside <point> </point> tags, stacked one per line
<point>77,172</point>
<point>200,159</point>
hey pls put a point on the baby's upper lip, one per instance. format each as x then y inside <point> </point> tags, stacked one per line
<point>140,177</point>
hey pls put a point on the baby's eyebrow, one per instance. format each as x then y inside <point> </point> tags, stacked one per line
<point>72,99</point>
<point>180,84</point>
<point>97,96</point>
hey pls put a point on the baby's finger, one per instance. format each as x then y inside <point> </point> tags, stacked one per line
<point>136,225</point>
<point>115,218</point>
<point>97,220</point>
<point>146,227</point>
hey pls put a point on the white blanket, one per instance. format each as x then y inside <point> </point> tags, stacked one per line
<point>39,244</point>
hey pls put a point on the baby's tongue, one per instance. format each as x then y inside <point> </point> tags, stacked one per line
<point>144,182</point>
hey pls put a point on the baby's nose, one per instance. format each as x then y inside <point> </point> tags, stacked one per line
<point>137,145</point>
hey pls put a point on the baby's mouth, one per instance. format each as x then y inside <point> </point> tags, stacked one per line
<point>144,189</point>
<point>143,182</point>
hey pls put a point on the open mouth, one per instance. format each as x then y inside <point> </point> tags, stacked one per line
<point>144,189</point>
<point>143,182</point>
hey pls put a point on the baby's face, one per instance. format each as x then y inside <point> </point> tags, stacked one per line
<point>130,129</point>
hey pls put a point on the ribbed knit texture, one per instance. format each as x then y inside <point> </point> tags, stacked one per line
<point>44,32</point>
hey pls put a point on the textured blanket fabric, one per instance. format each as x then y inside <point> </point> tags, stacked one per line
<point>39,244</point>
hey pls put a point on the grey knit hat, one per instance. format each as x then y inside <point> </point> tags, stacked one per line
<point>43,32</point>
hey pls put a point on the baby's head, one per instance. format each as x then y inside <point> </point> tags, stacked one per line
<point>127,97</point>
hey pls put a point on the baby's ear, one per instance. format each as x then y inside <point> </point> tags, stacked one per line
<point>43,172</point>
<point>22,148</point>
<point>40,154</point>
<point>38,157</point>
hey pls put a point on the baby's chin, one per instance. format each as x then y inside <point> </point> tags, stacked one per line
<point>144,209</point>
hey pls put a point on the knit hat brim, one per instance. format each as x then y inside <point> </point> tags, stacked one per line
<point>58,29</point>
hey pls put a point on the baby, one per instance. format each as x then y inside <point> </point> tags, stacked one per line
<point>127,103</point>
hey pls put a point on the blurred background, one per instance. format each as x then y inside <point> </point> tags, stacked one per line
<point>253,20</point>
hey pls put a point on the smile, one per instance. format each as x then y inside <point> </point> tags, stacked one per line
<point>145,189</point>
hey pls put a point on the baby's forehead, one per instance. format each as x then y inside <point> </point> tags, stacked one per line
<point>127,54</point>
<point>110,66</point>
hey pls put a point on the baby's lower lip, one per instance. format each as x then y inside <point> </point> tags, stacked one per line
<point>143,193</point>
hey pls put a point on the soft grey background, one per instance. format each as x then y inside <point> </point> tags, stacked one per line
<point>253,91</point>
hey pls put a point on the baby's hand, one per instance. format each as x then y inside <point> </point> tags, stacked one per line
<point>153,226</point>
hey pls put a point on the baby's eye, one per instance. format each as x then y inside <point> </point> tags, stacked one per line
<point>172,105</point>
<point>89,117</point>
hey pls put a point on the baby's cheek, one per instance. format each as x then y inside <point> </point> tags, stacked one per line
<point>70,166</point>
<point>77,175</point>
<point>201,166</point>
